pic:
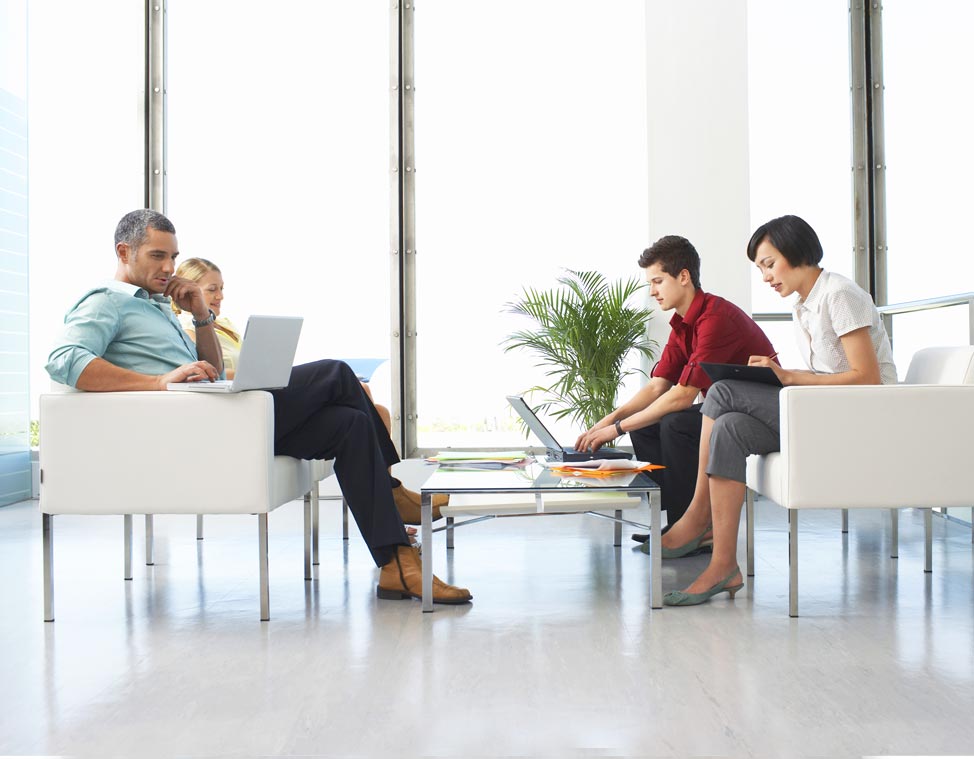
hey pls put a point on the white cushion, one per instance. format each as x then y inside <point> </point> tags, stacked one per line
<point>163,453</point>
<point>871,447</point>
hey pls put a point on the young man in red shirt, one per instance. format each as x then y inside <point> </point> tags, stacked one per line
<point>662,419</point>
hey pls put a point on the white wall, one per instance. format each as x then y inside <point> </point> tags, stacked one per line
<point>696,61</point>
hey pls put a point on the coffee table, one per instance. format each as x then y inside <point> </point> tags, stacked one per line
<point>535,481</point>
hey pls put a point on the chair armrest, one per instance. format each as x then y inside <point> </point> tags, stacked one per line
<point>156,452</point>
<point>877,446</point>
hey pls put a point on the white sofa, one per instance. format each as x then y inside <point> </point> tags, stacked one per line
<point>873,447</point>
<point>165,453</point>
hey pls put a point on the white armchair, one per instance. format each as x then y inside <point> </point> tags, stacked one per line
<point>884,447</point>
<point>114,453</point>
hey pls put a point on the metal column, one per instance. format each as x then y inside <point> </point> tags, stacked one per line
<point>868,148</point>
<point>403,229</point>
<point>155,105</point>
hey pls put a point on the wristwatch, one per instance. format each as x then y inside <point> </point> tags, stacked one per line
<point>619,428</point>
<point>205,322</point>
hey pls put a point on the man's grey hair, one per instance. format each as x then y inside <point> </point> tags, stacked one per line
<point>132,229</point>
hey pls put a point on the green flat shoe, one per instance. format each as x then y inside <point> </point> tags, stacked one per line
<point>696,546</point>
<point>682,598</point>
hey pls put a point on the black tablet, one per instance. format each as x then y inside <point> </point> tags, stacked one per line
<point>762,374</point>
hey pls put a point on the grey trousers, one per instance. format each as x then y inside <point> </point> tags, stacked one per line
<point>746,420</point>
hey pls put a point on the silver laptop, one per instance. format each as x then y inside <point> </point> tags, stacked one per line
<point>266,357</point>
<point>556,451</point>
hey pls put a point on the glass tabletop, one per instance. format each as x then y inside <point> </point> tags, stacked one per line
<point>532,477</point>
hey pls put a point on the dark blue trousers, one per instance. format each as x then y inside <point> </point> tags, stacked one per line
<point>324,413</point>
<point>673,442</point>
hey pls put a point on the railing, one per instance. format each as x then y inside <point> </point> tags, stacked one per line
<point>894,309</point>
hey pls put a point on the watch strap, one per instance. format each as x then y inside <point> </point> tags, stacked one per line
<point>205,322</point>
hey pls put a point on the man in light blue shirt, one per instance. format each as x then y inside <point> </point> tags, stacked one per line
<point>124,336</point>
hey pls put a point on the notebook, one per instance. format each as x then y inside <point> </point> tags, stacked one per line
<point>762,374</point>
<point>556,451</point>
<point>266,356</point>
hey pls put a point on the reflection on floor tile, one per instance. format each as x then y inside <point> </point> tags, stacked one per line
<point>559,655</point>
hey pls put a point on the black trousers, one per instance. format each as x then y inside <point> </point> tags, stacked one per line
<point>673,442</point>
<point>324,413</point>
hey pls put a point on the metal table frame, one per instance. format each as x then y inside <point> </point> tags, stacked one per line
<point>426,528</point>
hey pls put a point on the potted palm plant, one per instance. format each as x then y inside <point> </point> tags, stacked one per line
<point>584,331</point>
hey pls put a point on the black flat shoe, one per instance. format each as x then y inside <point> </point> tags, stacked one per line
<point>643,537</point>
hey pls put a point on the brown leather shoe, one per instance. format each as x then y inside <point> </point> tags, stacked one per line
<point>403,578</point>
<point>410,504</point>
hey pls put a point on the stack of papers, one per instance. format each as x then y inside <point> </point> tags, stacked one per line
<point>600,467</point>
<point>478,459</point>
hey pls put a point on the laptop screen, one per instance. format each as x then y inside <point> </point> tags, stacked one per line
<point>534,424</point>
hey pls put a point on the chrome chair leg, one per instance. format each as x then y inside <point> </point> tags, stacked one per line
<point>449,533</point>
<point>265,595</point>
<point>314,524</point>
<point>344,519</point>
<point>307,536</point>
<point>845,520</point>
<point>894,533</point>
<point>149,540</point>
<point>928,540</point>
<point>792,562</point>
<point>47,527</point>
<point>127,530</point>
<point>199,526</point>
<point>617,531</point>
<point>749,529</point>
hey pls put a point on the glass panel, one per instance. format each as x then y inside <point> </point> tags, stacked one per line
<point>927,58</point>
<point>279,164</point>
<point>531,156</point>
<point>926,329</point>
<point>800,116</point>
<point>14,399</point>
<point>86,154</point>
<point>782,337</point>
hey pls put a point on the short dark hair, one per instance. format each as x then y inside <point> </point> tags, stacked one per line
<point>793,236</point>
<point>132,229</point>
<point>674,254</point>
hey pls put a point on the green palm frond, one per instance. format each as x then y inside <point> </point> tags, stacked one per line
<point>584,331</point>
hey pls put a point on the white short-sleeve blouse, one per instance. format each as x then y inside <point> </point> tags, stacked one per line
<point>835,307</point>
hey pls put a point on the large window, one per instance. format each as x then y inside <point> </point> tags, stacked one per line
<point>86,166</point>
<point>800,143</point>
<point>927,59</point>
<point>531,157</point>
<point>14,401</point>
<point>278,159</point>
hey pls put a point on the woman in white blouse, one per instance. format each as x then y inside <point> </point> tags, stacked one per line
<point>843,341</point>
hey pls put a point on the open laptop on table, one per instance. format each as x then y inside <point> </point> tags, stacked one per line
<point>266,357</point>
<point>556,451</point>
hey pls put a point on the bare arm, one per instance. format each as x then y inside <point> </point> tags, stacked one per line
<point>103,376</point>
<point>647,407</point>
<point>228,373</point>
<point>859,351</point>
<point>187,295</point>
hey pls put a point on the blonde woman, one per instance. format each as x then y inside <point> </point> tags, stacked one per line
<point>207,275</point>
<point>210,279</point>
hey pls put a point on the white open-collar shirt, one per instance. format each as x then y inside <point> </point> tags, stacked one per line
<point>835,307</point>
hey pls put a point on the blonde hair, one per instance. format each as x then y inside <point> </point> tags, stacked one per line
<point>195,269</point>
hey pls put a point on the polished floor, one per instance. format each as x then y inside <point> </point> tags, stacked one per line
<point>559,654</point>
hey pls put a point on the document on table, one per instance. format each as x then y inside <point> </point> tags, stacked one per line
<point>478,459</point>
